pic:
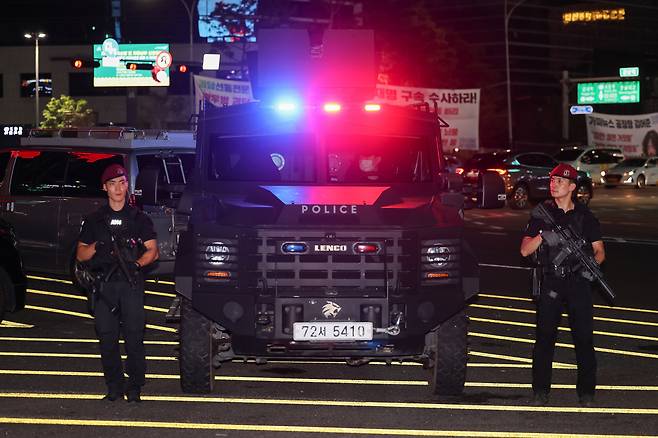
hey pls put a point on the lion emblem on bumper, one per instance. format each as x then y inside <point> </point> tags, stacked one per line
<point>330,310</point>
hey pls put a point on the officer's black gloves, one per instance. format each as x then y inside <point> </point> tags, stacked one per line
<point>550,237</point>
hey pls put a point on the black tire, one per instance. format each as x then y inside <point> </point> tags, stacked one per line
<point>641,182</point>
<point>448,347</point>
<point>6,289</point>
<point>583,194</point>
<point>520,197</point>
<point>196,351</point>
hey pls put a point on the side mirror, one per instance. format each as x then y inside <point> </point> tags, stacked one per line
<point>146,186</point>
<point>491,191</point>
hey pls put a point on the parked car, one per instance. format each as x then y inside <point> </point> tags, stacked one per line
<point>637,172</point>
<point>592,161</point>
<point>526,176</point>
<point>453,164</point>
<point>12,277</point>
<point>50,183</point>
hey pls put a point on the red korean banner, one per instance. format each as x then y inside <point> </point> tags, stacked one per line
<point>634,135</point>
<point>460,108</point>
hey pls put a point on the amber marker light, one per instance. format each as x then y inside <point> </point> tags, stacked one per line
<point>434,275</point>
<point>218,274</point>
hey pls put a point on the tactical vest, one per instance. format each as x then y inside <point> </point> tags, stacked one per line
<point>546,254</point>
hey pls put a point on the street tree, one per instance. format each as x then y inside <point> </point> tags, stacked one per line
<point>66,112</point>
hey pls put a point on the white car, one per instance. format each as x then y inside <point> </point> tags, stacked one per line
<point>590,160</point>
<point>638,172</point>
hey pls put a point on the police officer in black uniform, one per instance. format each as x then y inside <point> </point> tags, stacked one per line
<point>120,304</point>
<point>563,286</point>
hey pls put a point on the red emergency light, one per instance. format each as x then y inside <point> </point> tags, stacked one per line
<point>372,107</point>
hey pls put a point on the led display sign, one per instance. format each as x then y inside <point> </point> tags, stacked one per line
<point>597,15</point>
<point>131,65</point>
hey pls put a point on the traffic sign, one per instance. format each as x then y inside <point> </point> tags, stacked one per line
<point>581,109</point>
<point>609,92</point>
<point>163,59</point>
<point>629,72</point>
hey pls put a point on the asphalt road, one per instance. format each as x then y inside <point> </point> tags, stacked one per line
<point>51,383</point>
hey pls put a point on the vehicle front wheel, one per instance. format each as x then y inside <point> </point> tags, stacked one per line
<point>196,350</point>
<point>447,347</point>
<point>641,182</point>
<point>520,197</point>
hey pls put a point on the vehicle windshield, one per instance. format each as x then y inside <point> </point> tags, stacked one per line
<point>568,154</point>
<point>263,158</point>
<point>291,158</point>
<point>356,159</point>
<point>632,162</point>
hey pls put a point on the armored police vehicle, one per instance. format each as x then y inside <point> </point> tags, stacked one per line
<point>52,181</point>
<point>324,228</point>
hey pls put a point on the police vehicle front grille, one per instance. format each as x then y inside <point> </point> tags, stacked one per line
<point>334,274</point>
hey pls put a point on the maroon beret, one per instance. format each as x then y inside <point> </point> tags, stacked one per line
<point>565,171</point>
<point>112,171</point>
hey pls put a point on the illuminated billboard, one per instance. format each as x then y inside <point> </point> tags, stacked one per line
<point>131,65</point>
<point>226,20</point>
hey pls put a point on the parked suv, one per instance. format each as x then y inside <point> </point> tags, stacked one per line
<point>50,183</point>
<point>526,176</point>
<point>592,161</point>
<point>12,278</point>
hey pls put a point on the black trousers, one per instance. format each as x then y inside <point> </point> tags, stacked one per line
<point>574,293</point>
<point>130,322</point>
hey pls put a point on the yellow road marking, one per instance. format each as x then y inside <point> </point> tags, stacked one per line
<point>66,373</point>
<point>596,332</point>
<point>596,318</point>
<point>83,298</point>
<point>12,324</point>
<point>349,403</point>
<point>57,280</point>
<point>598,306</point>
<point>75,355</point>
<point>170,283</point>
<point>563,345</point>
<point>296,429</point>
<point>76,340</point>
<point>87,316</point>
<point>559,365</point>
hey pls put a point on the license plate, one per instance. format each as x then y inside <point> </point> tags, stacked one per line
<point>332,331</point>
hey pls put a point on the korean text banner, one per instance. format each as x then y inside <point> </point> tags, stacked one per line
<point>459,108</point>
<point>634,135</point>
<point>115,59</point>
<point>221,92</point>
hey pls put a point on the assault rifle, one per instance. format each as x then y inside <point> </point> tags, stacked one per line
<point>573,245</point>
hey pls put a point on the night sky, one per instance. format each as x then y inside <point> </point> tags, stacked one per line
<point>88,21</point>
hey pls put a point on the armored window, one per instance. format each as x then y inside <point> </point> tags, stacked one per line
<point>38,173</point>
<point>83,176</point>
<point>378,159</point>
<point>266,158</point>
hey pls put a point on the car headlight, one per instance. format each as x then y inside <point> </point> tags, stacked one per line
<point>603,173</point>
<point>438,256</point>
<point>217,253</point>
<point>631,173</point>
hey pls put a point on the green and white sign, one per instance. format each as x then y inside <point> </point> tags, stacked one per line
<point>629,72</point>
<point>115,60</point>
<point>609,92</point>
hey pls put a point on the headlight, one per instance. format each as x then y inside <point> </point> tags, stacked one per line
<point>217,253</point>
<point>438,256</point>
<point>631,173</point>
<point>603,173</point>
